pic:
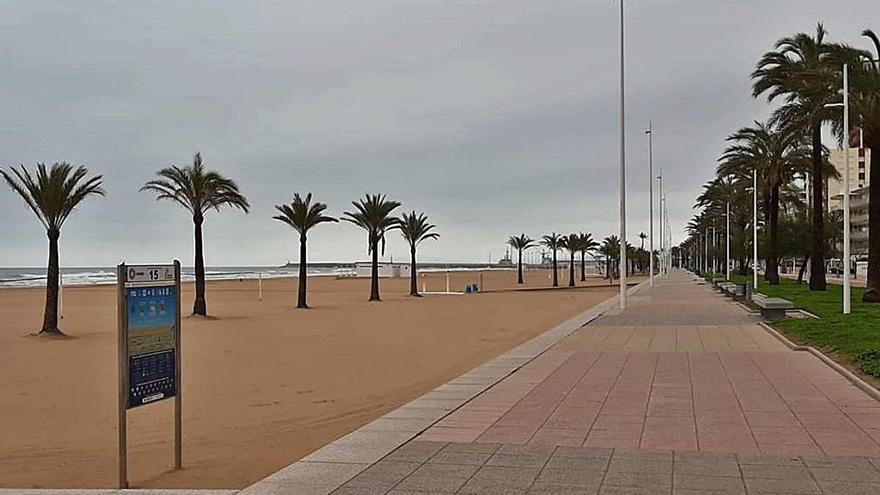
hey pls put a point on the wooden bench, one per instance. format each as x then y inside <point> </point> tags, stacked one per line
<point>772,308</point>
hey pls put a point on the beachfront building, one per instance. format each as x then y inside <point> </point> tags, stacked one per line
<point>859,179</point>
<point>386,270</point>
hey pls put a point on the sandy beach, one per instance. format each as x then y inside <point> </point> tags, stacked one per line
<point>264,383</point>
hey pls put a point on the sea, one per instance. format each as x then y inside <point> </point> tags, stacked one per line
<point>70,276</point>
<point>36,277</point>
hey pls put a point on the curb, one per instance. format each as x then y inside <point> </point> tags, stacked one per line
<point>849,375</point>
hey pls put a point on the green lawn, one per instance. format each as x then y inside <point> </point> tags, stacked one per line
<point>855,337</point>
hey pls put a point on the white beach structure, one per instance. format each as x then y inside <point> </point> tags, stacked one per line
<point>386,270</point>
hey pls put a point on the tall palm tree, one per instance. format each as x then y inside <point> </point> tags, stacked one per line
<point>642,237</point>
<point>571,242</point>
<point>554,243</point>
<point>610,248</point>
<point>197,190</point>
<point>373,214</point>
<point>520,243</point>
<point>587,245</point>
<point>801,70</point>
<point>415,229</point>
<point>53,195</point>
<point>778,155</point>
<point>865,109</point>
<point>302,215</point>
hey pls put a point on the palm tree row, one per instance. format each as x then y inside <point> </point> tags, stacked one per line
<point>52,193</point>
<point>805,73</point>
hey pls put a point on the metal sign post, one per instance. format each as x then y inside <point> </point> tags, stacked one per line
<point>148,308</point>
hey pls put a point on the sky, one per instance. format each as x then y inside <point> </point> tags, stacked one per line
<point>492,117</point>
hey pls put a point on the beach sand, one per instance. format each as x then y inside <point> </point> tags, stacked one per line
<point>264,383</point>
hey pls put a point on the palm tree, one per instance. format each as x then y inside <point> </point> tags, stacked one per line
<point>197,190</point>
<point>778,155</point>
<point>801,69</point>
<point>53,195</point>
<point>374,215</point>
<point>642,237</point>
<point>587,245</point>
<point>865,108</point>
<point>520,243</point>
<point>415,229</point>
<point>610,248</point>
<point>554,243</point>
<point>302,215</point>
<point>572,244</point>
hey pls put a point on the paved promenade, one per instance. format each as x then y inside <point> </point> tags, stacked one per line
<point>681,393</point>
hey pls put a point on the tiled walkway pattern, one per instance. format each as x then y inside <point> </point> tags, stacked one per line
<point>435,467</point>
<point>681,393</point>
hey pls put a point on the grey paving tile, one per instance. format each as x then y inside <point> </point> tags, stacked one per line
<point>383,475</point>
<point>317,473</point>
<point>657,481</point>
<point>802,486</point>
<point>492,480</point>
<point>437,478</point>
<point>708,483</point>
<point>508,460</point>
<point>578,463</point>
<point>845,474</point>
<point>630,466</point>
<point>568,477</point>
<point>527,450</point>
<point>769,460</point>
<point>643,455</point>
<point>583,452</point>
<point>472,448</point>
<point>553,489</point>
<point>706,468</point>
<point>774,472</point>
<point>465,458</point>
<point>849,488</point>
<point>415,451</point>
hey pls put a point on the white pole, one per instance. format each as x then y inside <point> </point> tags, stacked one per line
<point>261,285</point>
<point>660,223</point>
<point>650,133</point>
<point>706,250</point>
<point>846,221</point>
<point>622,166</point>
<point>755,228</point>
<point>447,279</point>
<point>727,235</point>
<point>60,294</point>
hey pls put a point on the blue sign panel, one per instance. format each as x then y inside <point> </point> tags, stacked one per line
<point>152,334</point>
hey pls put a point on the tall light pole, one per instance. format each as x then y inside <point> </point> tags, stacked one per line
<point>755,228</point>
<point>727,235</point>
<point>706,250</point>
<point>847,299</point>
<point>650,133</point>
<point>660,222</point>
<point>622,166</point>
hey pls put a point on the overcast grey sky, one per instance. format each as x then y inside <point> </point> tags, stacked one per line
<point>494,117</point>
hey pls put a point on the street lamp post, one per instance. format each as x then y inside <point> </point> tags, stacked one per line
<point>650,133</point>
<point>847,299</point>
<point>727,235</point>
<point>660,223</point>
<point>755,228</point>
<point>622,166</point>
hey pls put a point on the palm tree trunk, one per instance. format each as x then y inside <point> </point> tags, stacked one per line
<point>583,266</point>
<point>374,271</point>
<point>519,275</point>
<point>200,306</point>
<point>413,286</point>
<point>555,271</point>
<point>571,269</point>
<point>50,315</point>
<point>817,265</point>
<point>303,274</point>
<point>772,273</point>
<point>872,294</point>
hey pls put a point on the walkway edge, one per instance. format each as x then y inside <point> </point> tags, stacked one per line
<point>331,466</point>
<point>849,375</point>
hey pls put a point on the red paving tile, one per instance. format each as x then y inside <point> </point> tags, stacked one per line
<point>753,402</point>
